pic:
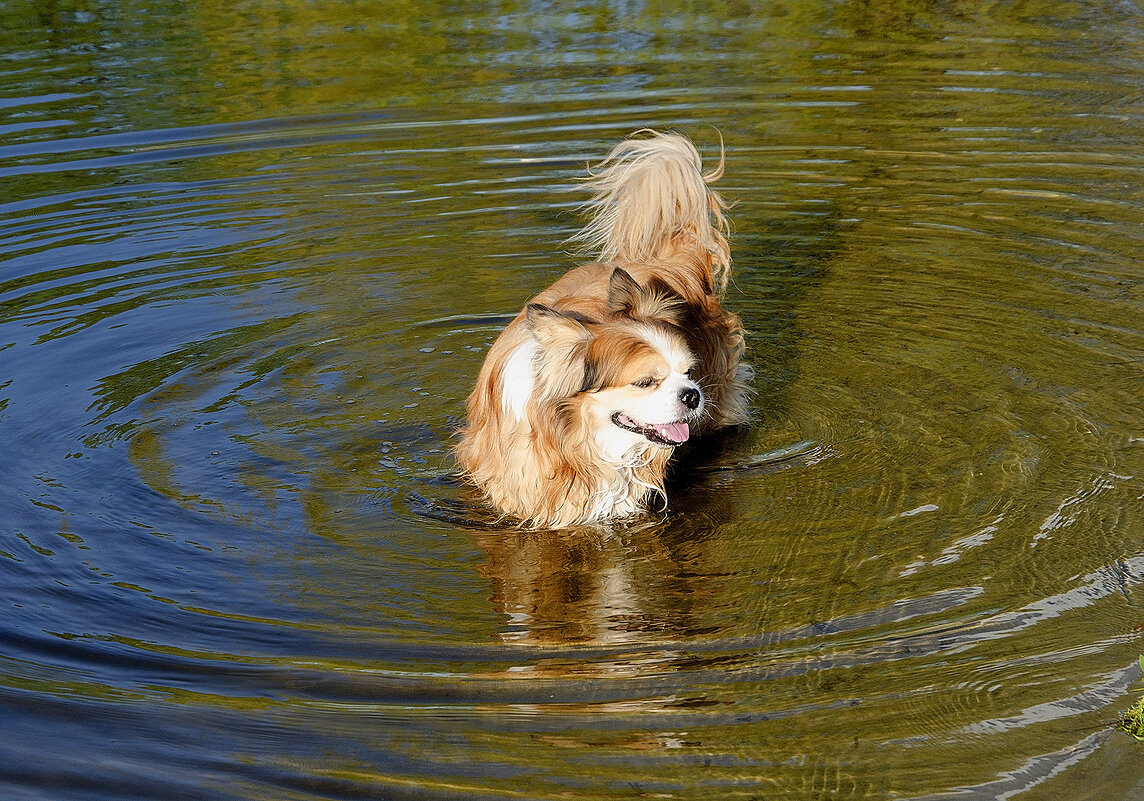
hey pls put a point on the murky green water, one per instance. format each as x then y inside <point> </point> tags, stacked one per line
<point>252,256</point>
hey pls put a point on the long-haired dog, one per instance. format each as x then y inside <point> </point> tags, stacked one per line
<point>585,395</point>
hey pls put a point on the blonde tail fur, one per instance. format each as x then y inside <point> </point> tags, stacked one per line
<point>650,193</point>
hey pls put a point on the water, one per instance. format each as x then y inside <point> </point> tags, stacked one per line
<point>253,255</point>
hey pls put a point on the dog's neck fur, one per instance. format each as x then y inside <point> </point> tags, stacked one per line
<point>558,474</point>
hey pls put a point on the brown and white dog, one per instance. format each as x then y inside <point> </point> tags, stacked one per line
<point>584,396</point>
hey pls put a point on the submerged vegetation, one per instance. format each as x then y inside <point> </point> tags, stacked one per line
<point>1132,721</point>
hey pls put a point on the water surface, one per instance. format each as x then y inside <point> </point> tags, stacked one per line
<point>252,257</point>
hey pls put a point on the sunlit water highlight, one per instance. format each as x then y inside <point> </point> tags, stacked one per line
<point>252,260</point>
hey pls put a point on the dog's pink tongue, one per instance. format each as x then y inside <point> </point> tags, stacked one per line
<point>674,432</point>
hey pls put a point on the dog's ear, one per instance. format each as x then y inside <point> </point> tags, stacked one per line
<point>563,343</point>
<point>656,301</point>
<point>623,292</point>
<point>552,328</point>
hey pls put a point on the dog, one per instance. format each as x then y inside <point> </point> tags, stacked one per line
<point>584,397</point>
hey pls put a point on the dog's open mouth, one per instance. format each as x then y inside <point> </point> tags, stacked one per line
<point>667,434</point>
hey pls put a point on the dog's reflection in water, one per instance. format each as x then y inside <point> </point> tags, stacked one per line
<point>637,584</point>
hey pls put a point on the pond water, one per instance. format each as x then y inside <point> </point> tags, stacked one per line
<point>253,253</point>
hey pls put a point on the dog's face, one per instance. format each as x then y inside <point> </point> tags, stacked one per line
<point>638,388</point>
<point>627,379</point>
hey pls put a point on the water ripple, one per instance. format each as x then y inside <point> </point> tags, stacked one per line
<point>233,356</point>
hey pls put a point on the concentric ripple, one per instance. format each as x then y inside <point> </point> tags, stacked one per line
<point>241,309</point>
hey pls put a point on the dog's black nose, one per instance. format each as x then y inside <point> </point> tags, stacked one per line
<point>690,398</point>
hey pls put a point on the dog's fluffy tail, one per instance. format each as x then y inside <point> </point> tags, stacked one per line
<point>649,197</point>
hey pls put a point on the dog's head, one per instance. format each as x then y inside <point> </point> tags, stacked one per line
<point>628,378</point>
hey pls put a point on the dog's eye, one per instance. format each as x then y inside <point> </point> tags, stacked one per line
<point>644,383</point>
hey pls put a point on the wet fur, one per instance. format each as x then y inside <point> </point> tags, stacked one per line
<point>540,442</point>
